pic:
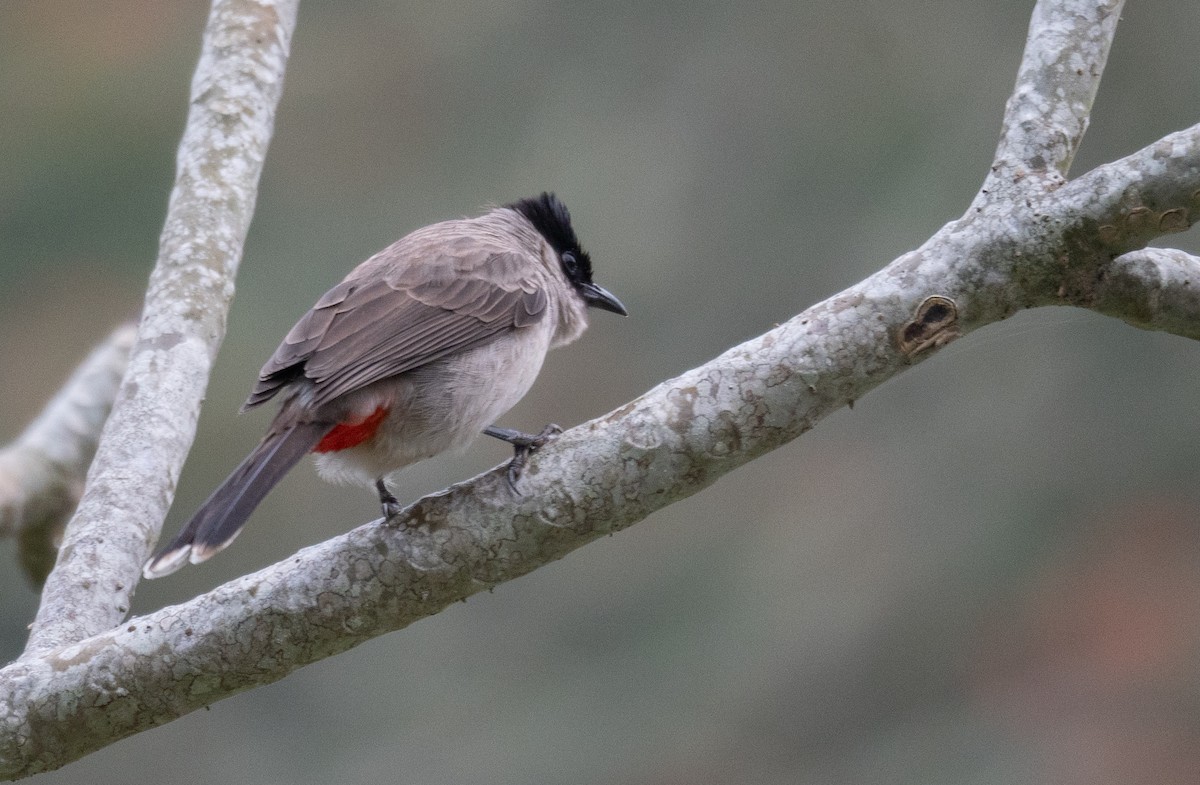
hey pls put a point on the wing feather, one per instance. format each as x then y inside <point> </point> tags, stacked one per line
<point>370,327</point>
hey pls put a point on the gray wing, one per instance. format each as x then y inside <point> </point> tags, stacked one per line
<point>372,326</point>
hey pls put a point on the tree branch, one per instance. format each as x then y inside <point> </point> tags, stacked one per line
<point>41,473</point>
<point>594,480</point>
<point>131,483</point>
<point>1154,288</point>
<point>1128,203</point>
<point>1047,114</point>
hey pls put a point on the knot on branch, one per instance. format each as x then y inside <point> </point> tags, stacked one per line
<point>934,325</point>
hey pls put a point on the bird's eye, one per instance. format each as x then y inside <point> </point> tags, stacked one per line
<point>570,264</point>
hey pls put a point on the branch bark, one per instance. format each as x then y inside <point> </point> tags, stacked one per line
<point>1154,288</point>
<point>1047,114</point>
<point>42,472</point>
<point>236,88</point>
<point>1025,241</point>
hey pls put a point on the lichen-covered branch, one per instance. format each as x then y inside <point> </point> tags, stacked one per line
<point>596,479</point>
<point>236,88</point>
<point>1128,203</point>
<point>41,473</point>
<point>1154,288</point>
<point>1047,114</point>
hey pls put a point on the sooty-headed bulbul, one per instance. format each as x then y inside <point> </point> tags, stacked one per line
<point>416,352</point>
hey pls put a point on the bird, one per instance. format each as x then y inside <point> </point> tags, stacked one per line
<point>416,352</point>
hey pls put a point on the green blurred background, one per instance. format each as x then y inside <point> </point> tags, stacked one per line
<point>986,572</point>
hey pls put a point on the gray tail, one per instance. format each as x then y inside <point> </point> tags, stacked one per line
<point>223,515</point>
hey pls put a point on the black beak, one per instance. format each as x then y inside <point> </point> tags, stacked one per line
<point>599,297</point>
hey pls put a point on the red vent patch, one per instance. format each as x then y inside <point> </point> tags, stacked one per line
<point>346,435</point>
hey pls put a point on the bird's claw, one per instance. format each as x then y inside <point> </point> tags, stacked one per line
<point>387,501</point>
<point>524,445</point>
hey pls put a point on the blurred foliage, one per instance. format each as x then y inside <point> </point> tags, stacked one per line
<point>986,572</point>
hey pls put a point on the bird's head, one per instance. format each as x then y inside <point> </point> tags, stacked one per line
<point>552,220</point>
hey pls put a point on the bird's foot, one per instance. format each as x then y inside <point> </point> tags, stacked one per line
<point>387,501</point>
<point>524,445</point>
